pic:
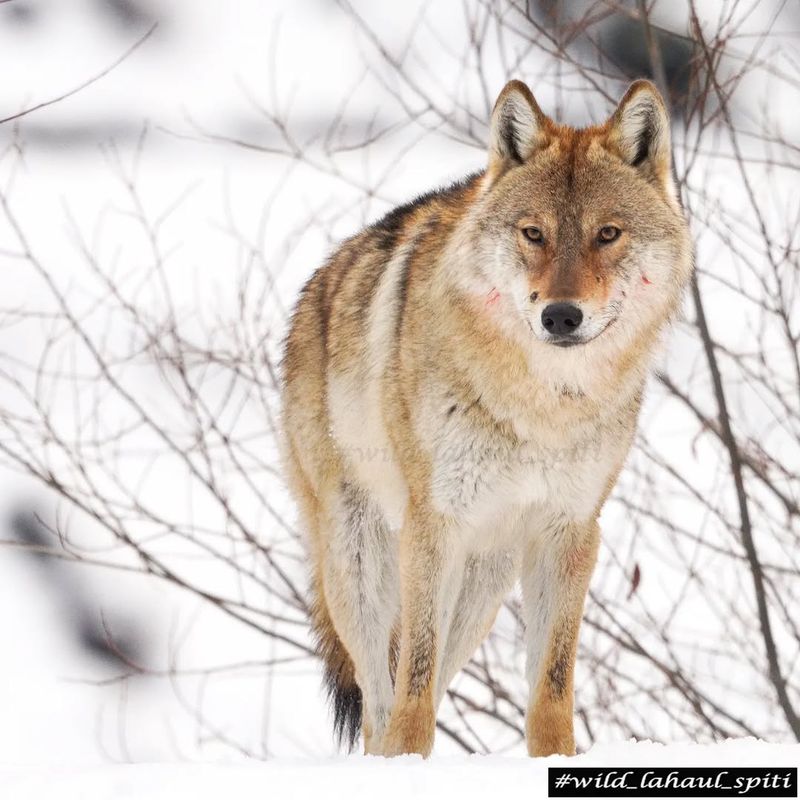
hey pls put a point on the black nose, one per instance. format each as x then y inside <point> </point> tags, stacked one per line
<point>561,318</point>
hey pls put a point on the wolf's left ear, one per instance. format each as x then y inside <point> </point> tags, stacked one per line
<point>517,127</point>
<point>639,130</point>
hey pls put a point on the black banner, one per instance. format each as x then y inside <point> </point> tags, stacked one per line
<point>672,782</point>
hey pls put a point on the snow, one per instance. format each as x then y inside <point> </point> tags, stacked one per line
<point>59,707</point>
<point>358,777</point>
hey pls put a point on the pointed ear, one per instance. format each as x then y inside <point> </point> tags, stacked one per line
<point>517,127</point>
<point>639,130</point>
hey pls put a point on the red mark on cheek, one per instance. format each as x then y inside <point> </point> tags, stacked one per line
<point>645,280</point>
<point>492,297</point>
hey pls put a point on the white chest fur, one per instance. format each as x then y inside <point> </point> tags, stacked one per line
<point>480,475</point>
<point>481,478</point>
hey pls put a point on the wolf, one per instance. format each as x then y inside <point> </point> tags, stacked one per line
<point>461,385</point>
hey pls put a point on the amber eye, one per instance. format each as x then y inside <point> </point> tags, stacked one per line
<point>533,235</point>
<point>608,233</point>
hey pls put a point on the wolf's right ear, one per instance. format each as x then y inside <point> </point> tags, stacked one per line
<point>517,127</point>
<point>639,130</point>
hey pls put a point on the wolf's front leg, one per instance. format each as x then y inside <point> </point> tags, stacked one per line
<point>555,580</point>
<point>427,568</point>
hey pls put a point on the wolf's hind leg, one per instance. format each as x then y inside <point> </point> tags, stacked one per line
<point>487,578</point>
<point>362,591</point>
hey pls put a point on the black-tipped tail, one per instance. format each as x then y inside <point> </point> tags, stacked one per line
<point>345,700</point>
<point>342,689</point>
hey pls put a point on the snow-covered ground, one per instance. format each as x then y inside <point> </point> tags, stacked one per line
<point>52,713</point>
<point>368,777</point>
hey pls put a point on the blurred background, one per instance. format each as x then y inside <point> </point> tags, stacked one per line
<point>172,172</point>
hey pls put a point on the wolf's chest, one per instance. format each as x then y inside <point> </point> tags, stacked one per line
<point>479,473</point>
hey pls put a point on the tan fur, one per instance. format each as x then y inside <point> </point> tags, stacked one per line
<point>438,443</point>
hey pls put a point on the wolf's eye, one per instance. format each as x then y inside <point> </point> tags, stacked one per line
<point>608,233</point>
<point>533,235</point>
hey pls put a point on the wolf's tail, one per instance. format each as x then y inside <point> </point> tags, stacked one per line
<point>343,692</point>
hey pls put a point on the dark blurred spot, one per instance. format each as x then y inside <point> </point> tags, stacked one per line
<point>114,645</point>
<point>625,40</point>
<point>128,13</point>
<point>79,135</point>
<point>116,642</point>
<point>27,530</point>
<point>19,12</point>
<point>582,30</point>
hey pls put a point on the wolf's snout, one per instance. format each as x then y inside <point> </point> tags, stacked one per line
<point>561,318</point>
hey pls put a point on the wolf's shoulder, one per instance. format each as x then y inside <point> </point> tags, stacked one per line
<point>451,196</point>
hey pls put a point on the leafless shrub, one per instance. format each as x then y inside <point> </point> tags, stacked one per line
<point>691,629</point>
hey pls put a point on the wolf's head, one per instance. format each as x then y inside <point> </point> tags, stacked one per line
<point>579,235</point>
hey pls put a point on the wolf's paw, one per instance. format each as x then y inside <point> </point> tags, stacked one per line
<point>410,730</point>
